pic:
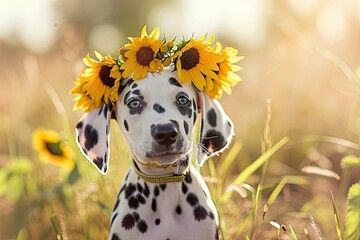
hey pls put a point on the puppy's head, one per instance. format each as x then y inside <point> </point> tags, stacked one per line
<point>157,116</point>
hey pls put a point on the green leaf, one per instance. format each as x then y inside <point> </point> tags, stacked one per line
<point>277,191</point>
<point>349,161</point>
<point>337,223</point>
<point>56,227</point>
<point>74,176</point>
<point>352,222</point>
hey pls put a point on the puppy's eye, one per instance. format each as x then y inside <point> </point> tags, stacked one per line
<point>183,100</point>
<point>134,104</point>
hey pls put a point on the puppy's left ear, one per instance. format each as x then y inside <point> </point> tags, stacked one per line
<point>92,135</point>
<point>216,131</point>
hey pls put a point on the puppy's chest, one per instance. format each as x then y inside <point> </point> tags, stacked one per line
<point>163,209</point>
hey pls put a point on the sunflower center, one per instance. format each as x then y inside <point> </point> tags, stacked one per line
<point>54,148</point>
<point>104,75</point>
<point>190,58</point>
<point>144,56</point>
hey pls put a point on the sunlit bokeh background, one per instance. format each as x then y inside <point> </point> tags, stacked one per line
<point>302,59</point>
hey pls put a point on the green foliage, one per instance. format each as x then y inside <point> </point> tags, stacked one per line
<point>352,223</point>
<point>15,179</point>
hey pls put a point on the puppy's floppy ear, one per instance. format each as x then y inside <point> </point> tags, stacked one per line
<point>92,134</point>
<point>216,128</point>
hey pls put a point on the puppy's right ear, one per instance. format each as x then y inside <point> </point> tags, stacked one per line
<point>92,134</point>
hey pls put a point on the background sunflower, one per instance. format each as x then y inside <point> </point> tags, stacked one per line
<point>52,149</point>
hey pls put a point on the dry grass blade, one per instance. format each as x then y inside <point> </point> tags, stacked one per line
<point>238,189</point>
<point>321,171</point>
<point>315,228</point>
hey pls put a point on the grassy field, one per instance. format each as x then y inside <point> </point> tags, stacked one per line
<point>286,175</point>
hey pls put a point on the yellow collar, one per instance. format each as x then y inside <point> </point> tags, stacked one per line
<point>159,179</point>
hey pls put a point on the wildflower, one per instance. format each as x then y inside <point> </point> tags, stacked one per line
<point>52,149</point>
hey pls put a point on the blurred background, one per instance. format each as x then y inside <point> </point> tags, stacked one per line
<point>302,60</point>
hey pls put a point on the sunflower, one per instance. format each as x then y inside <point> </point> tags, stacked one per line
<point>52,149</point>
<point>98,83</point>
<point>227,77</point>
<point>140,55</point>
<point>195,61</point>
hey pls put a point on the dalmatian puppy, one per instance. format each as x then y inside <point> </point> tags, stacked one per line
<point>157,116</point>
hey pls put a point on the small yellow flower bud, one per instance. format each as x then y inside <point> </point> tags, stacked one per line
<point>164,48</point>
<point>166,62</point>
<point>170,44</point>
<point>122,51</point>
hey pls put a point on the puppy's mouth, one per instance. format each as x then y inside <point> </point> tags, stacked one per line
<point>164,157</point>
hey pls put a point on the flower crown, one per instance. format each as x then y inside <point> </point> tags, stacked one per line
<point>207,66</point>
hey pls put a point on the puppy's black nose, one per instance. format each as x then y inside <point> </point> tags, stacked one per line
<point>165,134</point>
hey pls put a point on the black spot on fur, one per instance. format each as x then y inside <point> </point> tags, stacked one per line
<point>205,194</point>
<point>184,188</point>
<point>139,187</point>
<point>200,213</point>
<point>211,215</point>
<point>178,210</point>
<point>146,190</point>
<point>157,221</point>
<point>141,226</point>
<point>174,82</point>
<point>122,189</point>
<point>113,219</point>
<point>127,176</point>
<point>133,202</point>
<point>126,97</point>
<point>115,237</point>
<point>136,216</point>
<point>79,125</point>
<point>188,178</point>
<point>186,127</point>
<point>211,117</point>
<point>192,199</point>
<point>116,205</point>
<point>99,161</point>
<point>126,125</point>
<point>128,222</point>
<point>140,198</point>
<point>213,140</point>
<point>130,189</point>
<point>91,137</point>
<point>217,233</point>
<point>153,205</point>
<point>158,108</point>
<point>163,186</point>
<point>156,191</point>
<point>134,85</point>
<point>136,92</point>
